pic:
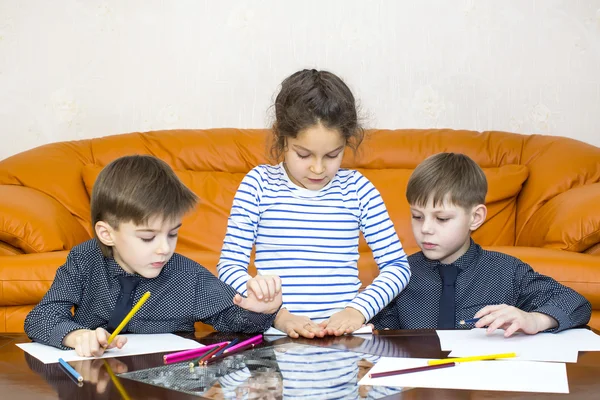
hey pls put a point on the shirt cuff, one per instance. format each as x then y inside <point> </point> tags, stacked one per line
<point>357,306</point>
<point>60,331</point>
<point>258,322</point>
<point>561,317</point>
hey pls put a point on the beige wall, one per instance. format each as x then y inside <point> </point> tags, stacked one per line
<point>80,69</point>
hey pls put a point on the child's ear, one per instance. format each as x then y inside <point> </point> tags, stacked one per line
<point>478,215</point>
<point>105,233</point>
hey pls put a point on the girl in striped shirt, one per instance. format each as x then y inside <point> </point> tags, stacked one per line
<point>303,217</point>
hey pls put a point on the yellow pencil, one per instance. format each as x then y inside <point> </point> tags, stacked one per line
<point>129,316</point>
<point>116,382</point>
<point>473,358</point>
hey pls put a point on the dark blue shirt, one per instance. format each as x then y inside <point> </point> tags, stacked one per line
<point>484,278</point>
<point>184,292</point>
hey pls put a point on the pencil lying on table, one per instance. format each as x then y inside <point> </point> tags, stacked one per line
<point>472,358</point>
<point>411,370</point>
<point>70,371</point>
<point>187,354</point>
<point>229,353</point>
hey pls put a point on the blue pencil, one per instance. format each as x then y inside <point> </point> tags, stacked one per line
<point>71,370</point>
<point>469,321</point>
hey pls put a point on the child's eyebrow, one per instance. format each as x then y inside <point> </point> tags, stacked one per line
<point>298,147</point>
<point>156,230</point>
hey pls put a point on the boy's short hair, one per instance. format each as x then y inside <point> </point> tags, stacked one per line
<point>134,189</point>
<point>447,174</point>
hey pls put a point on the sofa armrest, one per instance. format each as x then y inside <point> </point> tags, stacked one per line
<point>569,221</point>
<point>36,223</point>
<point>26,278</point>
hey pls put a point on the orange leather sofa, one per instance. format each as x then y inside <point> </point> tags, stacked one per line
<point>543,201</point>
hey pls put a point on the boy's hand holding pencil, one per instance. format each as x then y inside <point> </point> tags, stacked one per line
<point>92,343</point>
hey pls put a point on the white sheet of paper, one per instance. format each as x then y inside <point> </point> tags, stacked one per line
<point>524,376</point>
<point>360,331</point>
<point>558,347</point>
<point>136,344</point>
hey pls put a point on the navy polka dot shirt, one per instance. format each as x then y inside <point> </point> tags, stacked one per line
<point>183,293</point>
<point>484,278</point>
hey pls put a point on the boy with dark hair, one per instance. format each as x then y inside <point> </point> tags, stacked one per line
<point>137,206</point>
<point>454,279</point>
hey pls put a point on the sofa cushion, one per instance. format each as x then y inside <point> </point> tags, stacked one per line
<point>504,185</point>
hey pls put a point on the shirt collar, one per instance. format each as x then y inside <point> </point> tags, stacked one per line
<point>463,261</point>
<point>115,269</point>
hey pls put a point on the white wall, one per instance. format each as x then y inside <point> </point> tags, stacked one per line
<point>80,69</point>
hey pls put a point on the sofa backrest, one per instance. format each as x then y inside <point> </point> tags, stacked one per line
<point>524,172</point>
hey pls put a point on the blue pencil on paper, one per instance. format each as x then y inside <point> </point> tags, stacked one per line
<point>468,321</point>
<point>70,370</point>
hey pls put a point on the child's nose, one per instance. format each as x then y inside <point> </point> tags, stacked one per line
<point>426,226</point>
<point>318,168</point>
<point>163,247</point>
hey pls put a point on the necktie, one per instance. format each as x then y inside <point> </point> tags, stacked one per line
<point>446,318</point>
<point>124,302</point>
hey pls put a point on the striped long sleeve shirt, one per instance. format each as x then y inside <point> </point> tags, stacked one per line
<point>310,239</point>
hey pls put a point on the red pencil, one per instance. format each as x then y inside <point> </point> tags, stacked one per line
<point>410,370</point>
<point>235,351</point>
<point>210,353</point>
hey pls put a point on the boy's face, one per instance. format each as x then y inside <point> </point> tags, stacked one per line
<point>443,232</point>
<point>141,249</point>
<point>314,156</point>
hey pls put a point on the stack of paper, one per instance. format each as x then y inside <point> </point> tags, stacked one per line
<point>525,376</point>
<point>556,347</point>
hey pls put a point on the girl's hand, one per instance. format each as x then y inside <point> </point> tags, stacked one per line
<point>264,287</point>
<point>295,326</point>
<point>265,305</point>
<point>346,321</point>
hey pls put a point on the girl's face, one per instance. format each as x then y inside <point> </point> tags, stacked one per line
<point>313,158</point>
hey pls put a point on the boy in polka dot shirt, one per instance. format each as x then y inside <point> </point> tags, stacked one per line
<point>137,206</point>
<point>446,193</point>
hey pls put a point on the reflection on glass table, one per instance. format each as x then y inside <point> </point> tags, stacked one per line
<point>287,371</point>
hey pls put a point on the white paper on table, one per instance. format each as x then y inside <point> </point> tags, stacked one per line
<point>136,344</point>
<point>557,347</point>
<point>583,339</point>
<point>365,330</point>
<point>524,376</point>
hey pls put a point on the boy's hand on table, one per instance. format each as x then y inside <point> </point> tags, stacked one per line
<point>512,319</point>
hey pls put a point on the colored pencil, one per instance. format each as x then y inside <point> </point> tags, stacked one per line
<point>411,370</point>
<point>469,321</point>
<point>187,354</point>
<point>472,358</point>
<point>131,313</point>
<point>254,339</point>
<point>116,382</point>
<point>70,375</point>
<point>206,356</point>
<point>232,343</point>
<point>70,370</point>
<point>236,351</point>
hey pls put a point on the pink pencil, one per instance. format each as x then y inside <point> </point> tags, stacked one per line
<point>252,340</point>
<point>187,354</point>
